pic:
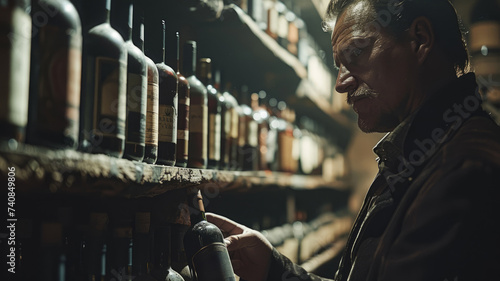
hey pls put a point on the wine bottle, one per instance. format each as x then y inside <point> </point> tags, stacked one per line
<point>248,134</point>
<point>206,252</point>
<point>142,247</point>
<point>183,120</point>
<point>26,249</point>
<point>151,139</point>
<point>162,267</point>
<point>122,16</point>
<point>272,135</point>
<point>262,118</point>
<point>167,117</point>
<point>55,103</point>
<point>225,123</point>
<point>214,114</point>
<point>283,24</point>
<point>72,239</point>
<point>52,257</point>
<point>232,118</point>
<point>15,47</point>
<point>104,83</point>
<point>179,262</point>
<point>95,254</point>
<point>198,111</point>
<point>120,249</point>
<point>287,145</point>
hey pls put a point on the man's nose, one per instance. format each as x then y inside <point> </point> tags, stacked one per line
<point>345,81</point>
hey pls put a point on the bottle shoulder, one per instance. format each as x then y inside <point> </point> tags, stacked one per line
<point>196,87</point>
<point>152,70</point>
<point>136,59</point>
<point>165,70</point>
<point>63,13</point>
<point>105,39</point>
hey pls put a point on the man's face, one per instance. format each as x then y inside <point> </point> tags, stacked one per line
<point>375,70</point>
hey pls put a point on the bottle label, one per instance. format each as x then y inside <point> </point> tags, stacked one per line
<point>198,119</point>
<point>214,137</point>
<point>252,133</point>
<point>110,97</point>
<point>227,123</point>
<point>185,101</point>
<point>234,123</point>
<point>136,108</point>
<point>15,47</point>
<point>167,124</point>
<point>183,121</point>
<point>183,135</point>
<point>60,80</point>
<point>198,131</point>
<point>152,113</point>
<point>272,140</point>
<point>212,263</point>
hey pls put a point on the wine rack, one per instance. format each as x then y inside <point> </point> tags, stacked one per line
<point>45,175</point>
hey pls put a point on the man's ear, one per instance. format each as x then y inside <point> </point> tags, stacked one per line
<point>422,36</point>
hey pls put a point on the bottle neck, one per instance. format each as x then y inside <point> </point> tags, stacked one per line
<point>164,259</point>
<point>178,60</point>
<point>128,34</point>
<point>122,18</point>
<point>163,49</point>
<point>92,16</point>
<point>138,26</point>
<point>189,63</point>
<point>205,73</point>
<point>198,212</point>
<point>138,36</point>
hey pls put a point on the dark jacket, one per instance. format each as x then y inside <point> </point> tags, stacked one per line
<point>431,213</point>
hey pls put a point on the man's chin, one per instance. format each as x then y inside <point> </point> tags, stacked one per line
<point>368,127</point>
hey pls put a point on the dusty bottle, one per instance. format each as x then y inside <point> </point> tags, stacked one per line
<point>167,116</point>
<point>104,83</point>
<point>214,114</point>
<point>206,252</point>
<point>162,245</point>
<point>151,137</point>
<point>15,45</point>
<point>198,111</point>
<point>55,103</point>
<point>183,118</point>
<point>135,125</point>
<point>248,134</point>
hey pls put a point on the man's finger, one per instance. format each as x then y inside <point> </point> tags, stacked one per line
<point>224,224</point>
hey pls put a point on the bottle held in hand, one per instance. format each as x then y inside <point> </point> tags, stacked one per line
<point>206,252</point>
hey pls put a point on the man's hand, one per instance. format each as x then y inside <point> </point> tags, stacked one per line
<point>249,250</point>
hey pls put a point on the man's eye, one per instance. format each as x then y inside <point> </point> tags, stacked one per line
<point>356,52</point>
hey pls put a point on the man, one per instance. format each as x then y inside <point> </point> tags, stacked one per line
<point>430,213</point>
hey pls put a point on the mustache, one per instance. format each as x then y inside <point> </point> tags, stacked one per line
<point>360,93</point>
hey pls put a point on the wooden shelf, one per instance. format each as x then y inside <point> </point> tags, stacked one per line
<point>237,44</point>
<point>43,170</point>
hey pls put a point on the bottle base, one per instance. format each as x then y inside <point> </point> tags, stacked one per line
<point>134,151</point>
<point>181,163</point>
<point>107,145</point>
<point>150,154</point>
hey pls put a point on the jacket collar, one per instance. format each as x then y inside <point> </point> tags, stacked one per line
<point>402,152</point>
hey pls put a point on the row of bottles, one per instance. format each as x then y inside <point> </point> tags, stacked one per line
<point>116,239</point>
<point>106,248</point>
<point>277,19</point>
<point>129,106</point>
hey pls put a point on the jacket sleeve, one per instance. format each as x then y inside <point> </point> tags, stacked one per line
<point>283,269</point>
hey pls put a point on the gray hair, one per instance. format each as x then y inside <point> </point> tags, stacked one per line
<point>398,15</point>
